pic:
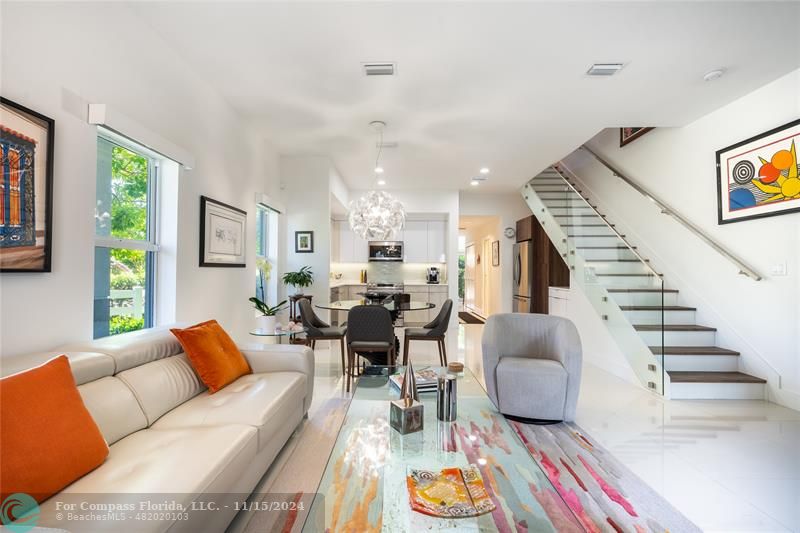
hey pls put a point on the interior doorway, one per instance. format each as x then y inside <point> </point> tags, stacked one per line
<point>482,278</point>
<point>469,277</point>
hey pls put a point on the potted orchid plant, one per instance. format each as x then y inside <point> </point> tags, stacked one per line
<point>267,321</point>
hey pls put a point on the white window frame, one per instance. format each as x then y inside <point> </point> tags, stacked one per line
<point>151,243</point>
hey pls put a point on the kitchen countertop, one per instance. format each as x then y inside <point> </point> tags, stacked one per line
<point>344,283</point>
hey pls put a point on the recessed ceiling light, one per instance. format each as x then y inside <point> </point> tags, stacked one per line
<point>381,182</point>
<point>378,170</point>
<point>474,183</point>
<point>485,170</point>
<point>714,74</point>
<point>604,69</point>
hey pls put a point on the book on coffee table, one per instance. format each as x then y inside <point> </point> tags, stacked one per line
<point>426,380</point>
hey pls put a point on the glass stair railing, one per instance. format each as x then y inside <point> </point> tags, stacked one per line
<point>617,281</point>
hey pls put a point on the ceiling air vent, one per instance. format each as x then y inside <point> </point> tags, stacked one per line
<point>604,69</point>
<point>379,69</point>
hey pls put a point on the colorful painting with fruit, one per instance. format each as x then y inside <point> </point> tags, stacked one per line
<point>760,176</point>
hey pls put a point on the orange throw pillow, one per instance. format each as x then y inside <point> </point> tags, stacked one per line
<point>48,438</point>
<point>213,354</point>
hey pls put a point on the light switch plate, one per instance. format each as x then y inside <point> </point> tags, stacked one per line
<point>778,269</point>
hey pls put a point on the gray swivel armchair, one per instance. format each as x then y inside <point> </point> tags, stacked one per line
<point>532,365</point>
<point>319,330</point>
<point>433,331</point>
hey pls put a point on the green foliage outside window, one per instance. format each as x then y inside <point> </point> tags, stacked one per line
<point>129,174</point>
<point>121,324</point>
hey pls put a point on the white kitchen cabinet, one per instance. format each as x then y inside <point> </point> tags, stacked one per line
<point>335,243</point>
<point>360,248</point>
<point>419,293</point>
<point>437,241</point>
<point>346,239</point>
<point>437,296</point>
<point>415,241</point>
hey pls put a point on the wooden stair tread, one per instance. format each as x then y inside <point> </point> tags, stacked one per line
<point>587,225</point>
<point>692,350</point>
<point>672,327</point>
<point>594,236</point>
<point>628,274</point>
<point>642,290</point>
<point>575,216</point>
<point>713,377</point>
<point>656,308</point>
<point>613,260</point>
<point>606,247</point>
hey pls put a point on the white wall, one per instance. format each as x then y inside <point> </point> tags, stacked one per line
<point>55,59</point>
<point>509,208</point>
<point>760,319</point>
<point>307,191</point>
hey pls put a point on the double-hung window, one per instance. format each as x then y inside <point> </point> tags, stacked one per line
<point>266,254</point>
<point>126,235</point>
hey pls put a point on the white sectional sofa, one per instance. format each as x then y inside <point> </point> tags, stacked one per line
<point>167,434</point>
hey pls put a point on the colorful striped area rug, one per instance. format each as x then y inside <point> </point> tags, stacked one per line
<point>602,494</point>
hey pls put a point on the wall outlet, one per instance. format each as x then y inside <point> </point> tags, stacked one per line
<point>778,269</point>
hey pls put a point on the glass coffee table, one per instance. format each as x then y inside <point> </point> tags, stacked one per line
<point>363,487</point>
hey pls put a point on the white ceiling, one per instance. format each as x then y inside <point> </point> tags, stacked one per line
<point>478,84</point>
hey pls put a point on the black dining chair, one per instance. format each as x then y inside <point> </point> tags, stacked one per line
<point>317,330</point>
<point>433,331</point>
<point>370,333</point>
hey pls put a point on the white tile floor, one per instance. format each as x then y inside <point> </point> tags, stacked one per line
<point>727,465</point>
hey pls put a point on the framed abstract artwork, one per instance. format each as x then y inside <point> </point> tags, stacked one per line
<point>760,176</point>
<point>26,189</point>
<point>628,135</point>
<point>304,242</point>
<point>495,253</point>
<point>223,229</point>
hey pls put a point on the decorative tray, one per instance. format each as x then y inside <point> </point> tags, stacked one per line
<point>449,493</point>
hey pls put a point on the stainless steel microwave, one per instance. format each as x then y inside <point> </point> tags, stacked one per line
<point>385,250</point>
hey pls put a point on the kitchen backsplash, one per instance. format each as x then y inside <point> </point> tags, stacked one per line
<point>387,272</point>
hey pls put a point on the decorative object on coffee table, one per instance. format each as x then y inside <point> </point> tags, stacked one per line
<point>449,493</point>
<point>222,234</point>
<point>406,415</point>
<point>304,242</point>
<point>447,398</point>
<point>26,188</point>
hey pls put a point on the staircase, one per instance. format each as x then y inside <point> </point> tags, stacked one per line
<point>669,352</point>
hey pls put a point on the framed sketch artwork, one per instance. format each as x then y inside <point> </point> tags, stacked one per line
<point>304,242</point>
<point>496,253</point>
<point>760,176</point>
<point>26,189</point>
<point>223,229</point>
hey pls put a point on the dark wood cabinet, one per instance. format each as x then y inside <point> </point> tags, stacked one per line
<point>549,268</point>
<point>525,228</point>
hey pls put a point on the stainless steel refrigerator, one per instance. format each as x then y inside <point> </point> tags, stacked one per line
<point>523,272</point>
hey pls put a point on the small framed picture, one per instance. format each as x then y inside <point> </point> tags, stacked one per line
<point>304,242</point>
<point>628,135</point>
<point>496,253</point>
<point>222,234</point>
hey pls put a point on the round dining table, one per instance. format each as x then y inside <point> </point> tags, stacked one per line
<point>390,304</point>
